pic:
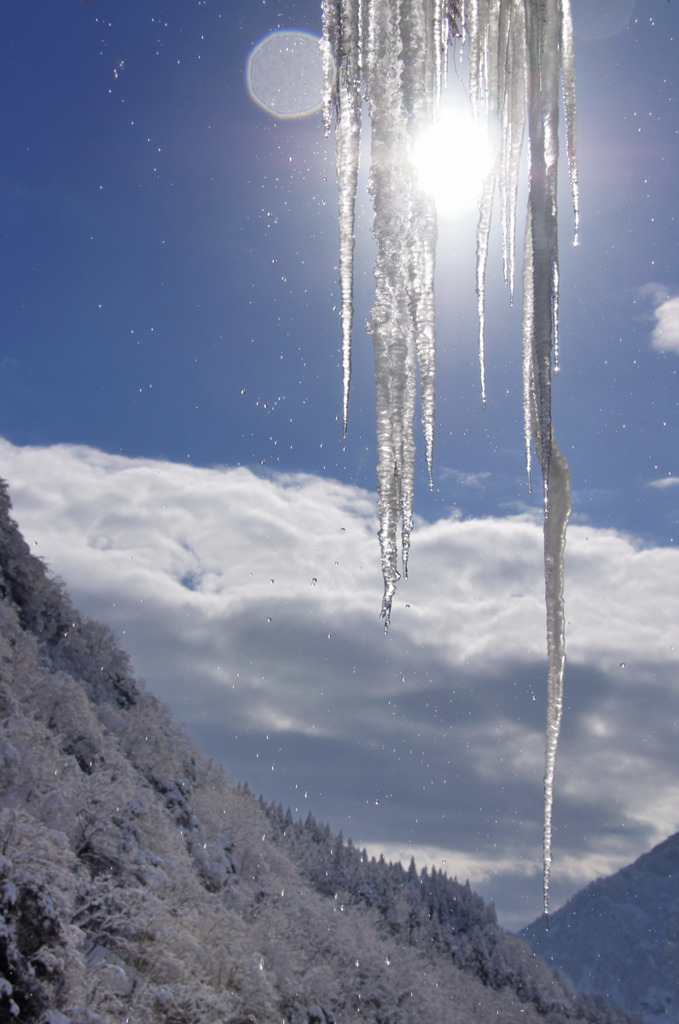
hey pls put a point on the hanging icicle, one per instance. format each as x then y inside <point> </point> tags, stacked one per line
<point>521,52</point>
<point>393,53</point>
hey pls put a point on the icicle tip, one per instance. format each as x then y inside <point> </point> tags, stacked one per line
<point>386,612</point>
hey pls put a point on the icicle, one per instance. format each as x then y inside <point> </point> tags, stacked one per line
<point>527,349</point>
<point>497,80</point>
<point>568,85</point>
<point>396,53</point>
<point>423,75</point>
<point>540,338</point>
<point>512,87</point>
<point>520,51</point>
<point>483,231</point>
<point>425,323</point>
<point>391,322</point>
<point>557,508</point>
<point>557,513</point>
<point>343,77</point>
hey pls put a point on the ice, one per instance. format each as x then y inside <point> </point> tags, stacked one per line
<point>342,59</point>
<point>396,59</point>
<point>544,24</point>
<point>520,55</point>
<point>557,512</point>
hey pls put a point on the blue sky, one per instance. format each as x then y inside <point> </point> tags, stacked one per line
<point>168,297</point>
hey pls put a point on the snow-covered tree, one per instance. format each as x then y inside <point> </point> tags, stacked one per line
<point>137,885</point>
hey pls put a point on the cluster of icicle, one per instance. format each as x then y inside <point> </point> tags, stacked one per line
<point>393,54</point>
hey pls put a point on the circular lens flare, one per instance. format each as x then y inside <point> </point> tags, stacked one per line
<point>285,74</point>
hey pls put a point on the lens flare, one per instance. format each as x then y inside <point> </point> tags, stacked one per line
<point>285,74</point>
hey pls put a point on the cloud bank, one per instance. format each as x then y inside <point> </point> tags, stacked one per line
<point>250,603</point>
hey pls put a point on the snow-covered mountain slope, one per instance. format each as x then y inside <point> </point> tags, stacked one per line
<point>620,936</point>
<point>137,886</point>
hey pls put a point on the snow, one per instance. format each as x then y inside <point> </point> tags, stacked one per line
<point>618,936</point>
<point>520,56</point>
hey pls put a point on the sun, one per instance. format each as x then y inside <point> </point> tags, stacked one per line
<point>451,159</point>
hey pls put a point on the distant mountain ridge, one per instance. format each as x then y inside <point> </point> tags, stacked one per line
<point>619,936</point>
<point>137,885</point>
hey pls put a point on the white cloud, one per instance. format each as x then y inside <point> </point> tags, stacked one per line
<point>476,480</point>
<point>665,482</point>
<point>665,337</point>
<point>250,605</point>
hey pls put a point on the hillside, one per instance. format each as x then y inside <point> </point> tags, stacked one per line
<point>137,885</point>
<point>620,935</point>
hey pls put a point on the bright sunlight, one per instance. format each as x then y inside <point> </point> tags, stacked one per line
<point>451,159</point>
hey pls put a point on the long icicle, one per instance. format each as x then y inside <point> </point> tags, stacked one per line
<point>342,89</point>
<point>519,52</point>
<point>541,290</point>
<point>557,509</point>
